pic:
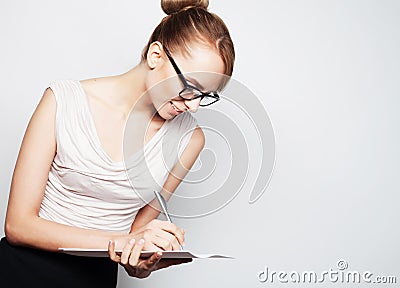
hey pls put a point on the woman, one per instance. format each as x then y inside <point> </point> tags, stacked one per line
<point>67,188</point>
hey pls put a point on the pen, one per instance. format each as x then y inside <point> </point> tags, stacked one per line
<point>163,205</point>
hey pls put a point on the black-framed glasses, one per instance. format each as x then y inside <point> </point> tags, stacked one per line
<point>190,92</point>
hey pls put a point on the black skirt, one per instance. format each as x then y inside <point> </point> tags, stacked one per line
<point>28,267</point>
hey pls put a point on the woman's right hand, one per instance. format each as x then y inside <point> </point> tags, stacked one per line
<point>136,266</point>
<point>160,235</point>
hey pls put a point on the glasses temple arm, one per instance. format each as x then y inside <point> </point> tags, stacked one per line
<point>177,70</point>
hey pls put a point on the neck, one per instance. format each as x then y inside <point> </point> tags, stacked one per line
<point>133,89</point>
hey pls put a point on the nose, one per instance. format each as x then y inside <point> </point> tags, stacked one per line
<point>193,105</point>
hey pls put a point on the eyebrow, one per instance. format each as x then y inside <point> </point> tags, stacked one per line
<point>195,82</point>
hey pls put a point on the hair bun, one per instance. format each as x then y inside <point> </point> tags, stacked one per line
<point>174,6</point>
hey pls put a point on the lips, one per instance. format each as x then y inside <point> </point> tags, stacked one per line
<point>175,109</point>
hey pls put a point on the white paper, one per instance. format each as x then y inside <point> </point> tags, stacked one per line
<point>143,254</point>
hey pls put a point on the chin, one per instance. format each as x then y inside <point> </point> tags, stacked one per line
<point>165,115</point>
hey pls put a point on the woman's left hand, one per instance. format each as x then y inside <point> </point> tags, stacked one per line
<point>140,268</point>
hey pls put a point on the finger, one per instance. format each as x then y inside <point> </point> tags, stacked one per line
<point>150,240</point>
<point>126,252</point>
<point>111,251</point>
<point>173,229</point>
<point>150,246</point>
<point>167,240</point>
<point>162,243</point>
<point>135,254</point>
<point>151,263</point>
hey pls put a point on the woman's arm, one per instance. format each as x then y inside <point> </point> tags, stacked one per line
<point>146,218</point>
<point>23,226</point>
<point>179,171</point>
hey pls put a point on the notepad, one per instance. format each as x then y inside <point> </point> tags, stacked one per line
<point>144,254</point>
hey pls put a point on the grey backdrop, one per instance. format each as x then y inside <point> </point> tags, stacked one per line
<point>328,74</point>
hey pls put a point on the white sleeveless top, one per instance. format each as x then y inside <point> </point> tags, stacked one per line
<point>85,187</point>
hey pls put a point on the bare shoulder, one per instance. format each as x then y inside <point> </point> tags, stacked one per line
<point>100,87</point>
<point>48,97</point>
<point>198,138</point>
<point>46,108</point>
<point>96,82</point>
<point>190,153</point>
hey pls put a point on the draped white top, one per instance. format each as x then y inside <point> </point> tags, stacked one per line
<point>85,187</point>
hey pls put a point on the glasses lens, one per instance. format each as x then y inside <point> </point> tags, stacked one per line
<point>207,100</point>
<point>189,93</point>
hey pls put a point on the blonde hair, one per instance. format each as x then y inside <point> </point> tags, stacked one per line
<point>189,21</point>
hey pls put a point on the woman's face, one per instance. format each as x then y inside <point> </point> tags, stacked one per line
<point>203,69</point>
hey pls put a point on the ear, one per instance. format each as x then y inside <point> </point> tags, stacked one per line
<point>154,55</point>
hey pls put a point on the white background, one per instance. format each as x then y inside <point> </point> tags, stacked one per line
<point>328,74</point>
